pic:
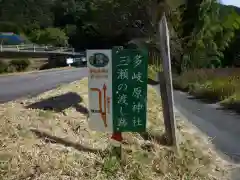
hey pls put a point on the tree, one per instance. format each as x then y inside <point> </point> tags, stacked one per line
<point>232,54</point>
<point>208,36</point>
<point>9,27</point>
<point>25,12</point>
<point>53,36</point>
<point>70,30</point>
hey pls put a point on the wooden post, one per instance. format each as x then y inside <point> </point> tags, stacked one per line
<point>166,84</point>
<point>166,112</point>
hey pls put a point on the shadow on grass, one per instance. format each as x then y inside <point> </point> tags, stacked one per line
<point>152,82</point>
<point>48,138</point>
<point>60,103</point>
<point>151,136</point>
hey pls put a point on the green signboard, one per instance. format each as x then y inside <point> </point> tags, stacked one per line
<point>129,90</point>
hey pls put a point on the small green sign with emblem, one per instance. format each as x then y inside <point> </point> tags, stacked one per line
<point>99,60</point>
<point>129,89</point>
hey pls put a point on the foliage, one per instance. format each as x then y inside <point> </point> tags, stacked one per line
<point>3,67</point>
<point>102,22</point>
<point>13,66</point>
<point>152,72</point>
<point>201,32</point>
<point>70,30</point>
<point>27,12</point>
<point>9,27</point>
<point>205,35</point>
<point>213,84</point>
<point>53,36</point>
<point>19,65</point>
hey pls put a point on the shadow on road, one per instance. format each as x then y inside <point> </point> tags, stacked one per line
<point>235,108</point>
<point>231,107</point>
<point>202,99</point>
<point>48,138</point>
<point>60,103</point>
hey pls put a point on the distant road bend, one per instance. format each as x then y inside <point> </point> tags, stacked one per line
<point>30,84</point>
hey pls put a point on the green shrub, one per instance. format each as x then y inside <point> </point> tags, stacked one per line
<point>20,65</point>
<point>233,102</point>
<point>214,84</point>
<point>152,71</point>
<point>234,99</point>
<point>11,69</point>
<point>3,67</point>
<point>188,80</point>
<point>217,89</point>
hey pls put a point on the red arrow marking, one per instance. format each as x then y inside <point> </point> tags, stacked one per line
<point>105,105</point>
<point>108,102</point>
<point>104,92</point>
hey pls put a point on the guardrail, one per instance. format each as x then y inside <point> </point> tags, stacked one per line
<point>34,48</point>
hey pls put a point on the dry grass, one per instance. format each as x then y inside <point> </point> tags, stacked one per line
<point>55,143</point>
<point>152,71</point>
<point>214,84</point>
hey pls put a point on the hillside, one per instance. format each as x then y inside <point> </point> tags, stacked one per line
<point>85,24</point>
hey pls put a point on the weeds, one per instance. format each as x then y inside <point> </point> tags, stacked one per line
<point>214,84</point>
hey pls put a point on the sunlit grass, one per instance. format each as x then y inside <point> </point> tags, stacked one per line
<point>214,84</point>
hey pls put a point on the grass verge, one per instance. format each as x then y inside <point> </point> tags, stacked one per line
<point>47,137</point>
<point>8,67</point>
<point>217,85</point>
<point>34,71</point>
<point>152,71</point>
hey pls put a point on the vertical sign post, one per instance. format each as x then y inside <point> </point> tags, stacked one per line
<point>168,103</point>
<point>129,79</point>
<point>100,90</point>
<point>117,92</point>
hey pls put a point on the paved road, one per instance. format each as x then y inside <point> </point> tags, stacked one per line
<point>12,87</point>
<point>221,125</point>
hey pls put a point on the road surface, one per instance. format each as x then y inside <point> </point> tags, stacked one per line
<point>12,87</point>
